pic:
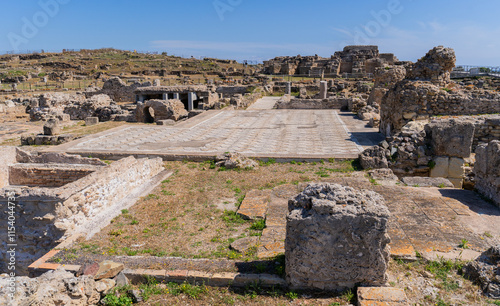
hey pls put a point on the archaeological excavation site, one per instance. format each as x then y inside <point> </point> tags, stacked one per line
<point>153,179</point>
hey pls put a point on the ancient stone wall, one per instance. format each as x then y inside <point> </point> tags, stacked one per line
<point>118,90</point>
<point>487,170</point>
<point>336,237</point>
<point>47,175</point>
<point>46,216</point>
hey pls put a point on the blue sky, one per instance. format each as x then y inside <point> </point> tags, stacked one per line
<point>256,29</point>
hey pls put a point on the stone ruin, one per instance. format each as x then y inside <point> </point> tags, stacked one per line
<point>420,141</point>
<point>357,60</point>
<point>153,111</point>
<point>336,238</point>
<point>485,272</point>
<point>487,171</point>
<point>59,195</point>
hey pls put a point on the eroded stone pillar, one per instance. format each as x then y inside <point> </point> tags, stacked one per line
<point>336,237</point>
<point>323,90</point>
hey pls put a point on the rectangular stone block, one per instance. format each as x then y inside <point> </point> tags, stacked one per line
<point>381,296</point>
<point>336,237</point>
<point>91,121</point>
<point>456,168</point>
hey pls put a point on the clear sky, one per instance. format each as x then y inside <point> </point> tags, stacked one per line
<point>255,29</point>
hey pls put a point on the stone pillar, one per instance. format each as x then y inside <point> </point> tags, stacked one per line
<point>191,98</point>
<point>139,98</point>
<point>177,96</point>
<point>288,88</point>
<point>336,237</point>
<point>323,90</point>
<point>165,96</point>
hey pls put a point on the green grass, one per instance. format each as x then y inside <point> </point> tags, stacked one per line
<point>258,225</point>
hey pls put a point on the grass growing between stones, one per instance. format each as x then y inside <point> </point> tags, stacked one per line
<point>192,214</point>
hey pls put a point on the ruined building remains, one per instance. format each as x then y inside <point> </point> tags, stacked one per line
<point>356,60</point>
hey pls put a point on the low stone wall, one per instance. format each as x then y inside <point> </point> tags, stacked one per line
<point>487,170</point>
<point>47,175</point>
<point>487,129</point>
<point>46,216</point>
<point>313,104</point>
<point>336,237</point>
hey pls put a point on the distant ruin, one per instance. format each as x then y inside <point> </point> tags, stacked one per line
<point>358,61</point>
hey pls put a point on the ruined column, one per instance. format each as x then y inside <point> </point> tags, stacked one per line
<point>288,88</point>
<point>323,90</point>
<point>176,96</point>
<point>336,237</point>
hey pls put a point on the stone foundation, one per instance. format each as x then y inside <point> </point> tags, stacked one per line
<point>336,237</point>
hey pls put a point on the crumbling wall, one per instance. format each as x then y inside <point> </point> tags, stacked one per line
<point>118,90</point>
<point>336,237</point>
<point>427,91</point>
<point>487,170</point>
<point>47,175</point>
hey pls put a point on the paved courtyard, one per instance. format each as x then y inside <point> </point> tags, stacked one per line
<point>307,134</point>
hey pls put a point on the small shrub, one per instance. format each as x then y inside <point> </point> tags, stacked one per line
<point>258,225</point>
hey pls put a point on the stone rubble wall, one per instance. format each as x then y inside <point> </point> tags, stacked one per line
<point>487,170</point>
<point>336,237</point>
<point>118,90</point>
<point>46,216</point>
<point>313,104</point>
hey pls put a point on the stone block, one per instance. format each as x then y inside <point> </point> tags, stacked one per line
<point>336,237</point>
<point>89,121</point>
<point>441,167</point>
<point>52,127</point>
<point>456,168</point>
<point>108,269</point>
<point>381,296</point>
<point>457,182</point>
<point>452,138</point>
<point>165,122</point>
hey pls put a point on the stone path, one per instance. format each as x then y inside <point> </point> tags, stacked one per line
<point>264,103</point>
<point>287,134</point>
<point>430,221</point>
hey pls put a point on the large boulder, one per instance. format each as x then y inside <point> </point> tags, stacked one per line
<point>336,237</point>
<point>451,137</point>
<point>374,158</point>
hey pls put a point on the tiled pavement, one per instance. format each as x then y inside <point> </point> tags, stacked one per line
<point>430,221</point>
<point>255,133</point>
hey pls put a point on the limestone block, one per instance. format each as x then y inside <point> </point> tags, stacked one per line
<point>52,127</point>
<point>441,168</point>
<point>336,237</point>
<point>427,181</point>
<point>91,121</point>
<point>452,138</point>
<point>381,296</point>
<point>457,182</point>
<point>456,168</point>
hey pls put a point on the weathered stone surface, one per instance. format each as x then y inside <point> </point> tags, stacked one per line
<point>91,121</point>
<point>104,285</point>
<point>416,181</point>
<point>121,280</point>
<point>441,167</point>
<point>485,272</point>
<point>244,244</point>
<point>56,287</point>
<point>383,175</point>
<point>386,77</point>
<point>153,110</point>
<point>456,168</point>
<point>371,296</point>
<point>487,170</point>
<point>374,158</point>
<point>254,205</point>
<point>88,269</point>
<point>451,138</point>
<point>336,237</point>
<point>435,66</point>
<point>235,160</point>
<point>52,127</point>
<point>108,269</point>
<point>169,122</point>
<point>8,157</point>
